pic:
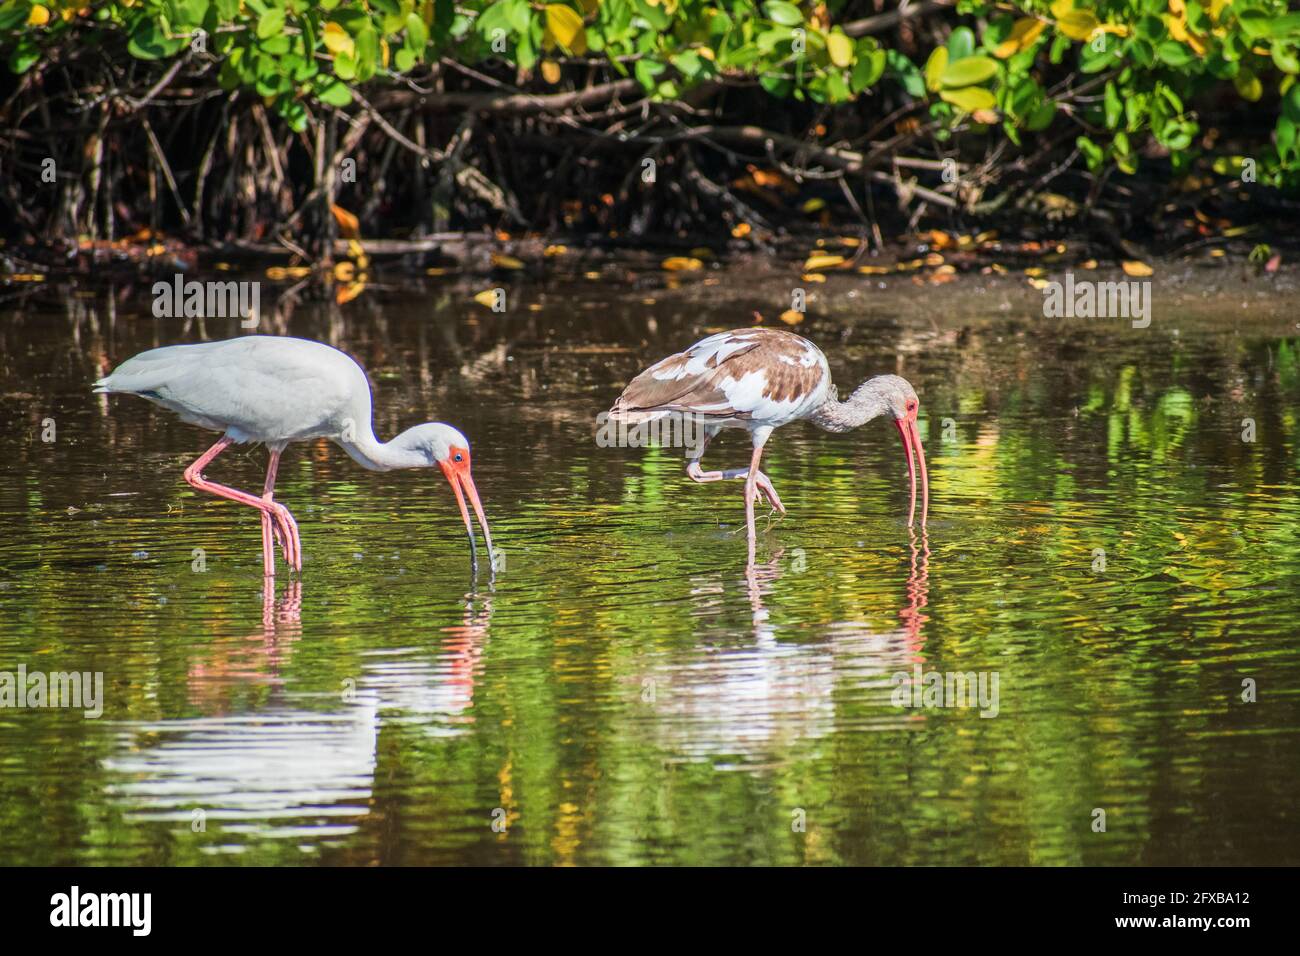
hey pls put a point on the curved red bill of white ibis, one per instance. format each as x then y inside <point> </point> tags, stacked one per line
<point>456,467</point>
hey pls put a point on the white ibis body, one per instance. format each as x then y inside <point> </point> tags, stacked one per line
<point>276,390</point>
<point>759,379</point>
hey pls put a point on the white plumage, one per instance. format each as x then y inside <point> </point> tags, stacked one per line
<point>277,390</point>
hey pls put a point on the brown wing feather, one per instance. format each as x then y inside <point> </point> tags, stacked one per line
<point>651,394</point>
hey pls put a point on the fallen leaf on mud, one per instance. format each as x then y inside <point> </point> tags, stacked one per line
<point>822,261</point>
<point>502,261</point>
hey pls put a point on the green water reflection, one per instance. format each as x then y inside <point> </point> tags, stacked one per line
<point>1102,538</point>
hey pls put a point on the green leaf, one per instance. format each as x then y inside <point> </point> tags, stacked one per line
<point>1255,23</point>
<point>417,34</point>
<point>1285,59</point>
<point>1091,152</point>
<point>905,71</point>
<point>24,56</point>
<point>345,67</point>
<point>1114,107</point>
<point>970,71</point>
<point>1041,117</point>
<point>961,43</point>
<point>367,53</point>
<point>868,69</point>
<point>1285,26</point>
<point>786,14</point>
<point>149,42</point>
<point>646,71</point>
<point>270,24</point>
<point>334,93</point>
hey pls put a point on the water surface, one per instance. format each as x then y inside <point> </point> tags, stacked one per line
<point>623,692</point>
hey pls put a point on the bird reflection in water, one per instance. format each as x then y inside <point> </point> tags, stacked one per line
<point>780,686</point>
<point>229,664</point>
<point>291,765</point>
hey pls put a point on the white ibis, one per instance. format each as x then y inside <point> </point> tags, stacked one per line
<point>759,379</point>
<point>276,390</point>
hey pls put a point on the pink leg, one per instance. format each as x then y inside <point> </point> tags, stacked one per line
<point>286,529</point>
<point>763,483</point>
<point>751,481</point>
<point>194,476</point>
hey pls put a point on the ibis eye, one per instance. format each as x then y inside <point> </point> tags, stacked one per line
<point>460,458</point>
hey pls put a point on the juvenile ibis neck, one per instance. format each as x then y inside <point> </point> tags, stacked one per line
<point>862,406</point>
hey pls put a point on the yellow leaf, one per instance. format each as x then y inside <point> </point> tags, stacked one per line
<point>874,270</point>
<point>822,261</point>
<point>566,27</point>
<point>840,49</point>
<point>1078,24</point>
<point>812,277</point>
<point>357,252</point>
<point>813,205</point>
<point>791,317</point>
<point>487,298</point>
<point>349,292</point>
<point>38,17</point>
<point>971,99</point>
<point>337,39</point>
<point>551,252</point>
<point>551,71</point>
<point>682,264</point>
<point>1038,283</point>
<point>1023,32</point>
<point>934,67</point>
<point>1133,267</point>
<point>502,261</point>
<point>1061,7</point>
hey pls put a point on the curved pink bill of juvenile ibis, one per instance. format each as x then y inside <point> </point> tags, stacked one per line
<point>456,467</point>
<point>912,441</point>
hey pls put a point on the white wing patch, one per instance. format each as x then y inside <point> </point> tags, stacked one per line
<point>703,356</point>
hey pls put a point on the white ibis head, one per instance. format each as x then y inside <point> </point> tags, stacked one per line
<point>449,450</point>
<point>895,395</point>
